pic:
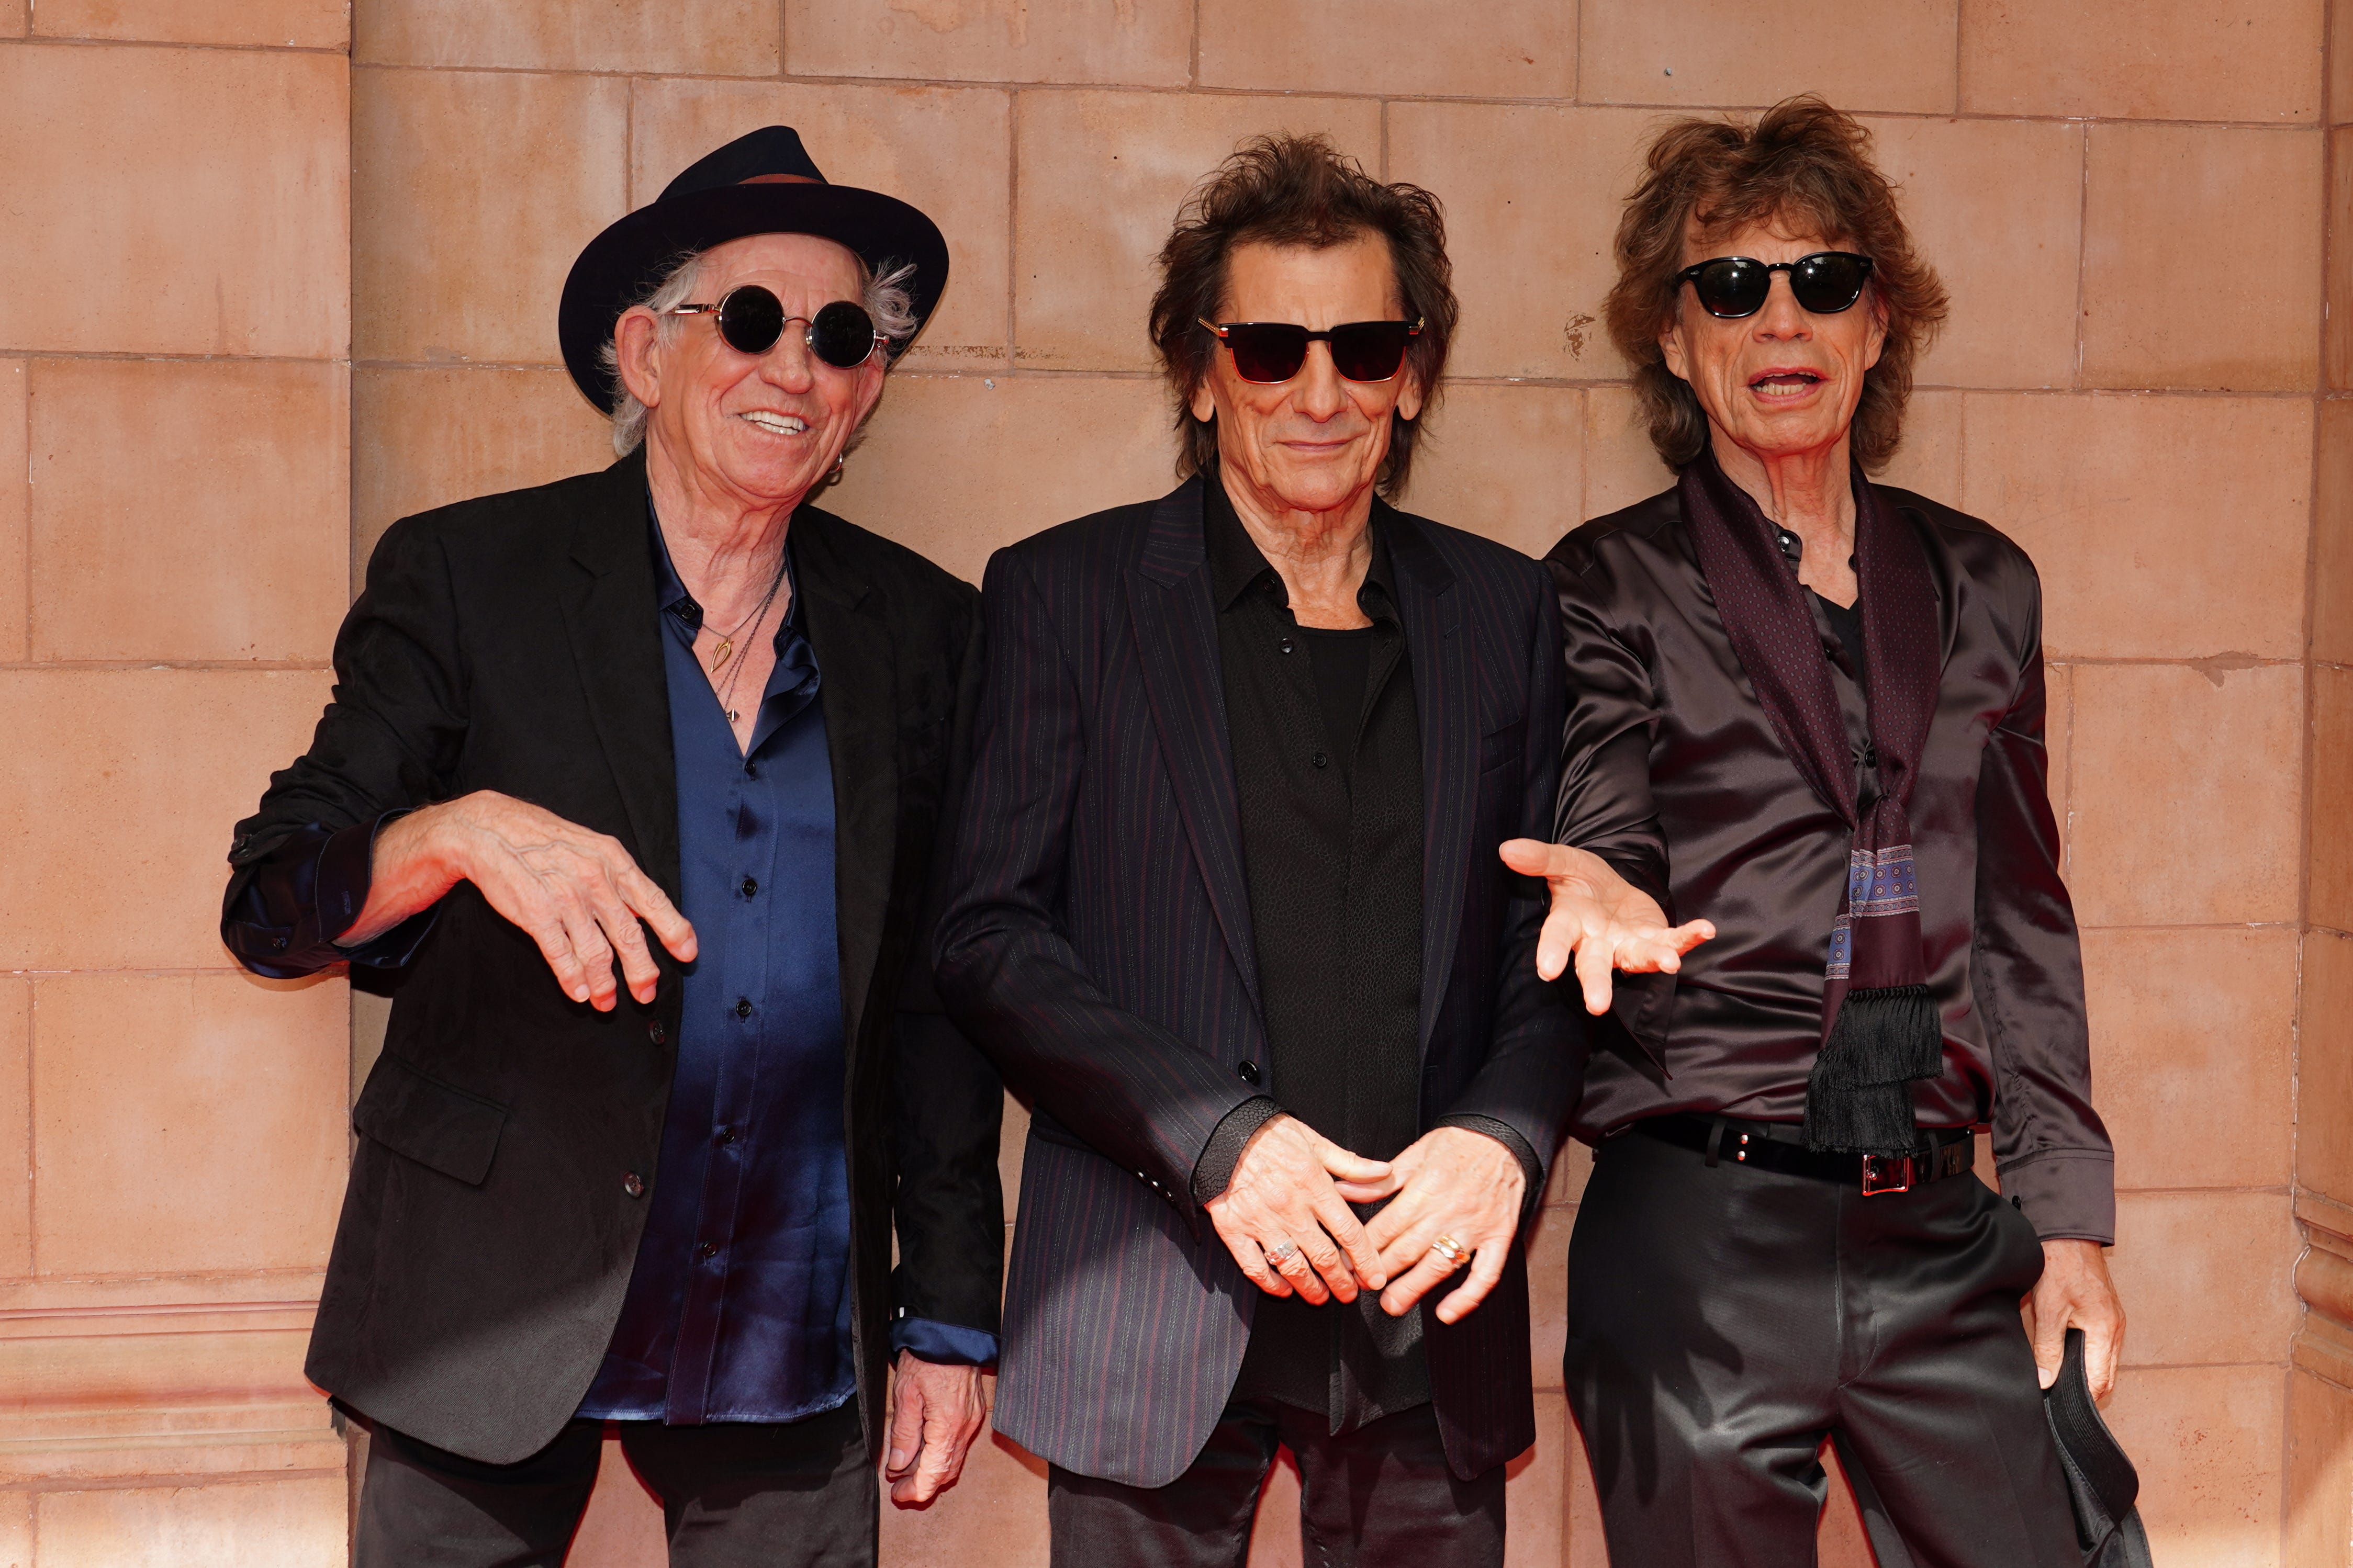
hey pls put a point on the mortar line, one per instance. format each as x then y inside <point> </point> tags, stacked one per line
<point>58,41</point>
<point>32,1231</point>
<point>1577,34</point>
<point>1012,231</point>
<point>1181,89</point>
<point>2083,242</point>
<point>25,545</point>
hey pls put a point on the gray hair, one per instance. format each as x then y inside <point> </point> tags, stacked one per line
<point>886,297</point>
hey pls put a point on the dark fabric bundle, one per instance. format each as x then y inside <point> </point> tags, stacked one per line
<point>1881,1031</point>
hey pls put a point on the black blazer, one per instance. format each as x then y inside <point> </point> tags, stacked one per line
<point>1097,943</point>
<point>511,643</point>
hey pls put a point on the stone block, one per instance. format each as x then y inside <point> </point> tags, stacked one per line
<point>188,510</point>
<point>1699,55</point>
<point>2142,59</point>
<point>2188,808</point>
<point>2147,186</point>
<point>2145,549</point>
<point>177,227</point>
<point>690,37</point>
<point>1501,48</point>
<point>1503,461</point>
<point>266,23</point>
<point>992,40</point>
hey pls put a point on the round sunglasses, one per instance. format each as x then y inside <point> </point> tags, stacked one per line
<point>1731,287</point>
<point>1271,351</point>
<point>752,318</point>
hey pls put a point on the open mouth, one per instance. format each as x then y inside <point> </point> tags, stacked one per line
<point>1785,382</point>
<point>775,424</point>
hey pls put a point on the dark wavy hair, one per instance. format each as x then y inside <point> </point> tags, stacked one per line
<point>1295,190</point>
<point>1804,168</point>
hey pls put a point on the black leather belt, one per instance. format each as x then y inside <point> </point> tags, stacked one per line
<point>1775,1146</point>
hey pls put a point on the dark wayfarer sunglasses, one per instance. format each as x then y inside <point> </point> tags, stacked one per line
<point>1731,287</point>
<point>1271,351</point>
<point>752,320</point>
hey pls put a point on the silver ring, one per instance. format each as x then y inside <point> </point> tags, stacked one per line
<point>1281,1255</point>
<point>1451,1250</point>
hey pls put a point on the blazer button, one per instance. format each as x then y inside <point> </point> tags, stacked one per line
<point>657,1034</point>
<point>1248,1072</point>
<point>634,1185</point>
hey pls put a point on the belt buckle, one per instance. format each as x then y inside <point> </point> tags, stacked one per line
<point>1886,1173</point>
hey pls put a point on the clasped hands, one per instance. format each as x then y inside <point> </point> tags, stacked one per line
<point>1284,1215</point>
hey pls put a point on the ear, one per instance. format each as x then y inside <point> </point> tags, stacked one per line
<point>1670,346</point>
<point>1204,403</point>
<point>633,343</point>
<point>1408,398</point>
<point>1874,345</point>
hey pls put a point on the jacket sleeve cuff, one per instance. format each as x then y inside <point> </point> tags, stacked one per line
<point>946,1344</point>
<point>2067,1193</point>
<point>288,902</point>
<point>1215,1168</point>
<point>1531,1194</point>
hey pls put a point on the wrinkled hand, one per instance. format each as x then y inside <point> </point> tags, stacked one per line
<point>1283,1191</point>
<point>936,1411</point>
<point>1457,1183</point>
<point>1601,918</point>
<point>576,893</point>
<point>2075,1292</point>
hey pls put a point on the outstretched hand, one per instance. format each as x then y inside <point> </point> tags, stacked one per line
<point>1602,920</point>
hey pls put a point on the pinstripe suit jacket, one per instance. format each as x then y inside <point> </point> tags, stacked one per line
<point>1097,943</point>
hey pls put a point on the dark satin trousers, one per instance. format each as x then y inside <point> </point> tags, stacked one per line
<point>1378,1497</point>
<point>1723,1320</point>
<point>797,1494</point>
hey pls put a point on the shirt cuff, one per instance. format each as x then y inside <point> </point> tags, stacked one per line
<point>945,1344</point>
<point>1215,1168</point>
<point>2069,1195</point>
<point>1504,1133</point>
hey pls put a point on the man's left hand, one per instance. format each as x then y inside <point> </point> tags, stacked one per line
<point>936,1411</point>
<point>2075,1292</point>
<point>1455,1184</point>
<point>1600,918</point>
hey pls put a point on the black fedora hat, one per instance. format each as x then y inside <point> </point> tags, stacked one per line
<point>763,183</point>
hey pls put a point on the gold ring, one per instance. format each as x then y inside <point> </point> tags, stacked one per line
<point>1451,1250</point>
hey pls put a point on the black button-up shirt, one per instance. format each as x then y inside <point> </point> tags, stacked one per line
<point>1327,742</point>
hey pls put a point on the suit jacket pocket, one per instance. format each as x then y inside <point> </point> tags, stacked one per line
<point>1500,746</point>
<point>452,1132</point>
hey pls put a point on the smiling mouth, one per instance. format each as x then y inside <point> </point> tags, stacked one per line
<point>775,424</point>
<point>1785,382</point>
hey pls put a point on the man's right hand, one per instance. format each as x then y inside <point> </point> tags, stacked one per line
<point>1287,1224</point>
<point>576,893</point>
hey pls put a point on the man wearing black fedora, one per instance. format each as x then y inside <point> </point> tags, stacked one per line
<point>673,720</point>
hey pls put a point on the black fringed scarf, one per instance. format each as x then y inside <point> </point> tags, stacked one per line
<point>1880,1032</point>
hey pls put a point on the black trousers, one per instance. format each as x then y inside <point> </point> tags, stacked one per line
<point>794,1495</point>
<point>1722,1320</point>
<point>1378,1497</point>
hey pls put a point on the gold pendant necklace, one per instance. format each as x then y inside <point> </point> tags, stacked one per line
<point>719,655</point>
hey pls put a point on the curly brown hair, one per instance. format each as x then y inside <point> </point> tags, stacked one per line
<point>1298,190</point>
<point>1804,168</point>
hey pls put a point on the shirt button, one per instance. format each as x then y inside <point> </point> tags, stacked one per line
<point>634,1185</point>
<point>657,1034</point>
<point>742,1006</point>
<point>727,1136</point>
<point>708,1250</point>
<point>750,770</point>
<point>750,887</point>
<point>1322,761</point>
<point>1286,645</point>
<point>1248,1072</point>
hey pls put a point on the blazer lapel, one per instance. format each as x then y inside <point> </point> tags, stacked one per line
<point>612,619</point>
<point>858,693</point>
<point>1447,702</point>
<point>1175,622</point>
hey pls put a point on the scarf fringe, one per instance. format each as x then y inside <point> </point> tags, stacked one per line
<point>1859,1097</point>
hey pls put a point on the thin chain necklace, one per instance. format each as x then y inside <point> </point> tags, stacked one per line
<point>727,644</point>
<point>727,641</point>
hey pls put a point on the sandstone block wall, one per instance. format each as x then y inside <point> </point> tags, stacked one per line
<point>272,275</point>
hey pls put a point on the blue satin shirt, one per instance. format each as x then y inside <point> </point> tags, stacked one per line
<point>739,1307</point>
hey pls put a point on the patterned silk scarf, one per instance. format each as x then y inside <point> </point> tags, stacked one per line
<point>1880,1032</point>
